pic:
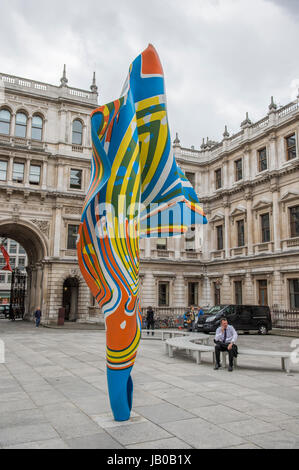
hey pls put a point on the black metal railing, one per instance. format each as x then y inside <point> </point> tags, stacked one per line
<point>166,317</point>
<point>285,319</point>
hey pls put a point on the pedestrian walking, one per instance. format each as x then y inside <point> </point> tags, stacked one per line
<point>200,312</point>
<point>37,315</point>
<point>192,318</point>
<point>150,321</point>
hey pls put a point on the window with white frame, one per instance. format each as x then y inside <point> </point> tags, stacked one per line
<point>37,128</point>
<point>5,119</point>
<point>21,125</point>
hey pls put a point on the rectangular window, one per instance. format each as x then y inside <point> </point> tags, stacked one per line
<point>13,247</point>
<point>3,171</point>
<point>12,262</point>
<point>265,225</point>
<point>294,219</point>
<point>240,230</point>
<point>163,294</point>
<point>8,278</point>
<point>18,172</point>
<point>238,169</point>
<point>191,178</point>
<point>21,262</point>
<point>161,244</point>
<point>219,229</point>
<point>218,178</point>
<point>238,292</point>
<point>76,179</point>
<point>192,293</point>
<point>294,293</point>
<point>34,175</point>
<point>21,250</point>
<point>2,278</point>
<point>291,147</point>
<point>72,232</point>
<point>263,159</point>
<point>263,292</point>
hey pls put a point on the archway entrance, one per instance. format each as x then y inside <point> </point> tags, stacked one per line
<point>34,247</point>
<point>70,298</point>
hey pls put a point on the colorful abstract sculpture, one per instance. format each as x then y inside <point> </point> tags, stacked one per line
<point>136,190</point>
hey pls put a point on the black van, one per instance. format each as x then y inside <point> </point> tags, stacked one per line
<point>242,317</point>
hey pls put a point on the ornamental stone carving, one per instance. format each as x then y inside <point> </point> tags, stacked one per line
<point>73,210</point>
<point>43,226</point>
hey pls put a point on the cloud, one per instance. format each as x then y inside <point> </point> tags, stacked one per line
<point>221,58</point>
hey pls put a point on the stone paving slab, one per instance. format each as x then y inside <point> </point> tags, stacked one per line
<point>170,443</point>
<point>201,434</point>
<point>53,391</point>
<point>163,413</point>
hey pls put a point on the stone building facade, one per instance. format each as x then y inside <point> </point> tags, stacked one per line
<point>247,183</point>
<point>45,153</point>
<point>249,252</point>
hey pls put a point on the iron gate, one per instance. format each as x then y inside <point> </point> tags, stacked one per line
<point>17,294</point>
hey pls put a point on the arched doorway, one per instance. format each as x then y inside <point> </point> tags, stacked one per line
<point>36,250</point>
<point>70,298</point>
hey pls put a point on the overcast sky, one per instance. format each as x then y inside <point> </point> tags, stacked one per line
<point>221,58</point>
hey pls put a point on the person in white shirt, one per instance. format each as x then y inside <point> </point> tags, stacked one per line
<point>226,336</point>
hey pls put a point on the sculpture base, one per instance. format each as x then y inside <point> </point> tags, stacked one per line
<point>120,386</point>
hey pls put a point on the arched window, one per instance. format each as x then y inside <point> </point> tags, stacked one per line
<point>21,125</point>
<point>5,118</point>
<point>77,132</point>
<point>37,128</point>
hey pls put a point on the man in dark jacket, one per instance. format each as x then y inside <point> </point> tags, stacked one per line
<point>150,322</point>
<point>37,315</point>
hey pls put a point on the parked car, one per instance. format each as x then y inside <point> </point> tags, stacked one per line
<point>243,318</point>
<point>207,313</point>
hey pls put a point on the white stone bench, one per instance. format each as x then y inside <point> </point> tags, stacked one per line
<point>190,344</point>
<point>162,334</point>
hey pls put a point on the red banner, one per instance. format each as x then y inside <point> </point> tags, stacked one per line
<point>7,267</point>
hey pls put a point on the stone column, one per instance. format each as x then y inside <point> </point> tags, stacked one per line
<point>275,217</point>
<point>226,205</point>
<point>177,247</point>
<point>226,290</point>
<point>57,231</point>
<point>84,131</point>
<point>27,171</point>
<point>225,183</point>
<point>32,291</point>
<point>44,294</point>
<point>147,247</point>
<point>179,297</point>
<point>9,170</point>
<point>248,198</point>
<point>148,290</point>
<point>246,167</point>
<point>62,126</point>
<point>248,291</point>
<point>60,180</point>
<point>13,124</point>
<point>277,290</point>
<point>207,300</point>
<point>38,285</point>
<point>29,128</point>
<point>28,291</point>
<point>272,162</point>
<point>45,169</point>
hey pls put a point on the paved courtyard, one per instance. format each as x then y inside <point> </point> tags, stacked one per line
<point>53,394</point>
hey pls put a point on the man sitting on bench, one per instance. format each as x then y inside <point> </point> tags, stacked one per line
<point>226,336</point>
